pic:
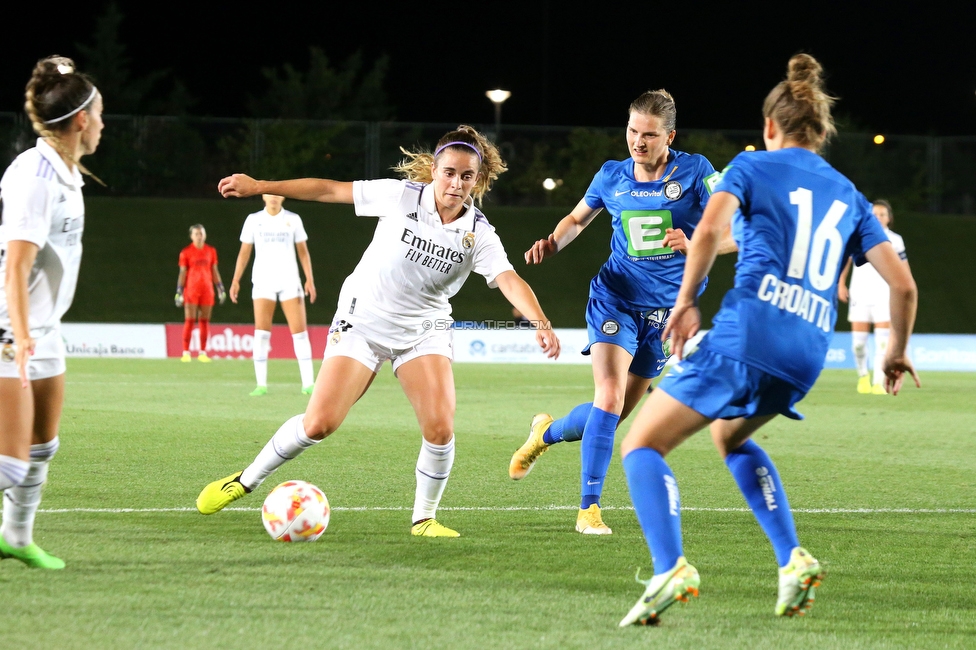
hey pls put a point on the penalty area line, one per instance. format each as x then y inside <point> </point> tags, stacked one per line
<point>814,511</point>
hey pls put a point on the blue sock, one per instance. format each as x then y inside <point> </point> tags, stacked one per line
<point>657,504</point>
<point>595,452</point>
<point>759,481</point>
<point>568,428</point>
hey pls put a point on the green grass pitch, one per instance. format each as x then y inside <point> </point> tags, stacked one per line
<point>884,491</point>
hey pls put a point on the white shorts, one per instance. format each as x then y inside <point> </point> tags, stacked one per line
<point>279,291</point>
<point>47,361</point>
<point>860,310</point>
<point>355,344</point>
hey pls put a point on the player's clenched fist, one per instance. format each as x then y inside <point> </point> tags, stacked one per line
<point>239,185</point>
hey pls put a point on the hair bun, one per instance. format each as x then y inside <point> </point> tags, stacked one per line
<point>803,68</point>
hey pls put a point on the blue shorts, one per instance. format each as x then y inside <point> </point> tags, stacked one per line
<point>721,388</point>
<point>638,332</point>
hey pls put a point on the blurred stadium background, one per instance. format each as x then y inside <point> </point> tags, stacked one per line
<point>162,172</point>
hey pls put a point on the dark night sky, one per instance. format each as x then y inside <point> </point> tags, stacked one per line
<point>896,68</point>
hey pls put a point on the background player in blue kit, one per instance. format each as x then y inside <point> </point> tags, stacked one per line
<point>655,199</point>
<point>796,220</point>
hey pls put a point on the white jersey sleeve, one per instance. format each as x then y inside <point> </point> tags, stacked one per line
<point>247,232</point>
<point>300,234</point>
<point>899,244</point>
<point>27,210</point>
<point>490,259</point>
<point>43,204</point>
<point>377,198</point>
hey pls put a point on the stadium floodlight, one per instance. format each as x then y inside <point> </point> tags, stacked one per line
<point>750,147</point>
<point>498,97</point>
<point>549,184</point>
<point>879,139</point>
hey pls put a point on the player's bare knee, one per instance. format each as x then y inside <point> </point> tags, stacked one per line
<point>439,432</point>
<point>320,425</point>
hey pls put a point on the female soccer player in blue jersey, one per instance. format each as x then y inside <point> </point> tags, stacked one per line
<point>655,199</point>
<point>795,220</point>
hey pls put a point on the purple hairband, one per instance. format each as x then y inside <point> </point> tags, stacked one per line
<point>463,144</point>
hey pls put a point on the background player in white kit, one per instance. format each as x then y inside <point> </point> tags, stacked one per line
<point>276,234</point>
<point>869,298</point>
<point>40,253</point>
<point>394,306</point>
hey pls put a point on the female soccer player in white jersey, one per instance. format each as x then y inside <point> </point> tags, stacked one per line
<point>795,220</point>
<point>40,252</point>
<point>869,298</point>
<point>275,234</point>
<point>395,306</point>
<point>655,199</point>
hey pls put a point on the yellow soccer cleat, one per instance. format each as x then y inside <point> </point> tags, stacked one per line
<point>864,384</point>
<point>203,358</point>
<point>524,459</point>
<point>797,582</point>
<point>430,528</point>
<point>220,494</point>
<point>662,591</point>
<point>186,358</point>
<point>878,389</point>
<point>590,522</point>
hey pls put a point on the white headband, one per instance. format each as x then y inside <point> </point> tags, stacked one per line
<point>83,104</point>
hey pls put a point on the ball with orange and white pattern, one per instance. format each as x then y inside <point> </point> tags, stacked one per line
<point>295,511</point>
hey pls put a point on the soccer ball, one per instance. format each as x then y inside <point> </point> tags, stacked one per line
<point>295,511</point>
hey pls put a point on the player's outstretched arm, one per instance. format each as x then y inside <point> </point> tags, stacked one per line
<point>303,189</point>
<point>903,305</point>
<point>520,295</point>
<point>566,231</point>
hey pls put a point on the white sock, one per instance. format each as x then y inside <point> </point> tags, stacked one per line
<point>859,346</point>
<point>262,345</point>
<point>433,470</point>
<point>303,352</point>
<point>880,348</point>
<point>12,471</point>
<point>287,442</point>
<point>20,503</point>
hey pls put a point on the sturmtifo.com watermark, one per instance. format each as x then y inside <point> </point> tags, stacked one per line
<point>443,325</point>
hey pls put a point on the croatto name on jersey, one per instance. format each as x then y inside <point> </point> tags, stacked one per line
<point>430,254</point>
<point>794,299</point>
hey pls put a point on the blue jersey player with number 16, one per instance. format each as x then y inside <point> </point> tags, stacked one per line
<point>655,198</point>
<point>795,219</point>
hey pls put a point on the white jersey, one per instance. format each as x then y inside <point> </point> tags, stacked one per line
<point>42,204</point>
<point>867,285</point>
<point>274,239</point>
<point>400,290</point>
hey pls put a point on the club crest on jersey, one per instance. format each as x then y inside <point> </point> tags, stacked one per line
<point>610,327</point>
<point>672,190</point>
<point>9,353</point>
<point>468,242</point>
<point>335,338</point>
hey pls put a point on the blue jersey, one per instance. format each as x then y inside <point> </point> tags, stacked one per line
<point>642,273</point>
<point>799,221</point>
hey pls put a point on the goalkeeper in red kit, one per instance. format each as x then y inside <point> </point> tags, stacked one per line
<point>195,289</point>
